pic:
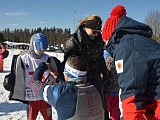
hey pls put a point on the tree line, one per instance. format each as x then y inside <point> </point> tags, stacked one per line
<point>56,36</point>
<point>153,20</point>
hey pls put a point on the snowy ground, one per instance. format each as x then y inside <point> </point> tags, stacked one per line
<point>13,110</point>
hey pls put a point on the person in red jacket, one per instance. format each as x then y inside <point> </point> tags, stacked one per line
<point>2,49</point>
<point>137,60</point>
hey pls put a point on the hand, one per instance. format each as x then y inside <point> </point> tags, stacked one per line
<point>54,73</point>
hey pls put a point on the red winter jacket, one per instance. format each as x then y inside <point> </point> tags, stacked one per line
<point>1,52</point>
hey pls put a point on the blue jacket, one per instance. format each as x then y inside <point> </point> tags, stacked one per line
<point>137,60</point>
<point>73,100</point>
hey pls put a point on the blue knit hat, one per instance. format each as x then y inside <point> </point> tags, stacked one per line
<point>41,41</point>
<point>105,54</point>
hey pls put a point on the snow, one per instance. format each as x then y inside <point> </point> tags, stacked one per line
<point>14,110</point>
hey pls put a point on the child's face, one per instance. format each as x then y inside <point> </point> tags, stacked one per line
<point>40,52</point>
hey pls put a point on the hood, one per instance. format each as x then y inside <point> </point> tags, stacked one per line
<point>127,25</point>
<point>124,27</point>
<point>32,49</point>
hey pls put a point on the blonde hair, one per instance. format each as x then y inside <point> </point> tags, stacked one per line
<point>91,17</point>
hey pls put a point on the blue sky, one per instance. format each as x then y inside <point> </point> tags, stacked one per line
<point>60,13</point>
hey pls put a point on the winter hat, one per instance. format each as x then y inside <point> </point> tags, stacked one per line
<point>94,24</point>
<point>116,13</point>
<point>76,66</point>
<point>105,54</point>
<point>41,42</point>
<point>73,73</point>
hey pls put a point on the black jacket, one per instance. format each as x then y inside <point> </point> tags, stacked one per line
<point>81,44</point>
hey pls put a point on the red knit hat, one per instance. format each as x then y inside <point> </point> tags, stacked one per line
<point>112,21</point>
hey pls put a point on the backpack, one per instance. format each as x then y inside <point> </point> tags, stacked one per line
<point>5,53</point>
<point>9,79</point>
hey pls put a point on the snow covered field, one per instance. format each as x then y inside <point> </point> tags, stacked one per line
<point>13,110</point>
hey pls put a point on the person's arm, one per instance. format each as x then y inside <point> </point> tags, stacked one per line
<point>60,68</point>
<point>43,90</point>
<point>51,94</point>
<point>103,67</point>
<point>63,98</point>
<point>40,71</point>
<point>71,47</point>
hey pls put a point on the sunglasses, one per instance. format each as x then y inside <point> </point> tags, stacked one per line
<point>96,32</point>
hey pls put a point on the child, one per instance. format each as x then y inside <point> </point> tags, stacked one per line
<point>137,62</point>
<point>111,88</point>
<point>24,72</point>
<point>75,99</point>
<point>2,50</point>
